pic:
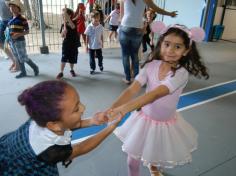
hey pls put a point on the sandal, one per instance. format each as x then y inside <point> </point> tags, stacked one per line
<point>154,172</point>
<point>13,70</point>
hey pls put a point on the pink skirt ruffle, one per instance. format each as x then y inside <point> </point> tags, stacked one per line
<point>164,144</point>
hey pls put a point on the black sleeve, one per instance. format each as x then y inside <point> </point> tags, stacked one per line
<point>56,153</point>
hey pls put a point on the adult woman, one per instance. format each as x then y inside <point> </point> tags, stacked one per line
<point>131,32</point>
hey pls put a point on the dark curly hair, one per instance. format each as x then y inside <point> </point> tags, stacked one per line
<point>191,62</point>
<point>42,101</point>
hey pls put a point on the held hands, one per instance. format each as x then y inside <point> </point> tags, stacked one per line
<point>115,116</point>
<point>110,116</point>
<point>99,118</point>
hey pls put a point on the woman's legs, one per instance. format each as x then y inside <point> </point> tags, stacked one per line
<point>130,40</point>
<point>124,42</point>
<point>133,166</point>
<point>135,45</point>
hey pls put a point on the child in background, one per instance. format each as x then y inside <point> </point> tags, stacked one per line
<point>157,134</point>
<point>70,42</point>
<point>98,8</point>
<point>94,41</point>
<point>149,18</point>
<point>18,28</point>
<point>114,22</point>
<point>35,148</point>
<point>80,18</point>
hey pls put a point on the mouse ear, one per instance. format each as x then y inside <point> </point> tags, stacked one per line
<point>197,34</point>
<point>158,27</point>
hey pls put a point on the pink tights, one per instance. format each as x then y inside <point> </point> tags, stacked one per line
<point>133,166</point>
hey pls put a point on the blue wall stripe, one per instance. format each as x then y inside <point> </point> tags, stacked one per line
<point>185,100</point>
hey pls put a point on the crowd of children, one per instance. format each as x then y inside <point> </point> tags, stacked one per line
<point>169,139</point>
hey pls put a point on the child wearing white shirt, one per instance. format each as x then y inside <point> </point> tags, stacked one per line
<point>94,41</point>
<point>114,22</point>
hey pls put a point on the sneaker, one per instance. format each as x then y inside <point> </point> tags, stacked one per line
<point>60,75</point>
<point>92,72</point>
<point>101,68</point>
<point>21,75</point>
<point>72,72</point>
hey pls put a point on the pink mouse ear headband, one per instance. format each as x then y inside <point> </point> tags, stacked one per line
<point>196,34</point>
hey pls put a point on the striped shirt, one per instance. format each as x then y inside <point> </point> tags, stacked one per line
<point>18,25</point>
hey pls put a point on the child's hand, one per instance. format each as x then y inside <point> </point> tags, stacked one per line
<point>99,118</point>
<point>63,34</point>
<point>173,14</point>
<point>114,117</point>
<point>15,35</point>
<point>66,16</point>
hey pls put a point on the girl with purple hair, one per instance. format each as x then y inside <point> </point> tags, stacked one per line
<point>44,140</point>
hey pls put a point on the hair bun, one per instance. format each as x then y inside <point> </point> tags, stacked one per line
<point>24,96</point>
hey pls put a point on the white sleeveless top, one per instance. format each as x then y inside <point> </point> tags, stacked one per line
<point>133,13</point>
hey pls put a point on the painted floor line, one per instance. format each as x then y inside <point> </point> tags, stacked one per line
<point>206,94</point>
<point>187,101</point>
<point>209,87</point>
<point>207,101</point>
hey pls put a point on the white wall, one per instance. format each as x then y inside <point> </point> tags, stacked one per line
<point>229,22</point>
<point>189,12</point>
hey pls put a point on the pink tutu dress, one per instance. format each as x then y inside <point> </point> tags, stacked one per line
<point>157,134</point>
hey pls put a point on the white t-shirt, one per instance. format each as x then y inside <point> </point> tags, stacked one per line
<point>133,13</point>
<point>94,34</point>
<point>115,16</point>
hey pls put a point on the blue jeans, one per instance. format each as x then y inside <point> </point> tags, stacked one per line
<point>130,41</point>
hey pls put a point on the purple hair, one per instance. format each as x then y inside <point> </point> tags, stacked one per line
<point>42,101</point>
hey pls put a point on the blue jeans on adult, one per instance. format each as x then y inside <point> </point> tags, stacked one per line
<point>130,41</point>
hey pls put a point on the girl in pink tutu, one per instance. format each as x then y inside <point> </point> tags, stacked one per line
<point>156,134</point>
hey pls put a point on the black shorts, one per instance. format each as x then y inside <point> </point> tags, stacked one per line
<point>113,28</point>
